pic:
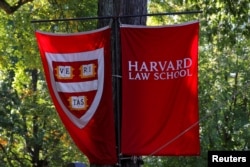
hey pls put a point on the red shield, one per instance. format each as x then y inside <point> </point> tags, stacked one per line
<point>77,82</point>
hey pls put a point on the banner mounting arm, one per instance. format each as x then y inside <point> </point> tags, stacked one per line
<point>115,17</point>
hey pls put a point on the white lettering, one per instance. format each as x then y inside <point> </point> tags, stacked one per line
<point>187,63</point>
<point>145,76</point>
<point>144,67</point>
<point>178,64</point>
<point>243,159</point>
<point>162,66</point>
<point>183,73</point>
<point>160,70</point>
<point>176,74</point>
<point>215,158</point>
<point>139,76</point>
<point>153,66</point>
<point>130,76</point>
<point>131,66</point>
<point>170,66</point>
<point>170,75</point>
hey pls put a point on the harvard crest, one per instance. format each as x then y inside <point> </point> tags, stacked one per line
<point>77,81</point>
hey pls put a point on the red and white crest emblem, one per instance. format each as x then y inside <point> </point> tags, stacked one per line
<point>77,81</point>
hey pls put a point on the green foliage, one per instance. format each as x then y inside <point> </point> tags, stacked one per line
<point>31,133</point>
<point>60,9</point>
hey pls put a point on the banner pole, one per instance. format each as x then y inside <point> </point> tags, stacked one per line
<point>117,85</point>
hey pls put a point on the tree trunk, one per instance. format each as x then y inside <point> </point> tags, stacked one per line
<point>116,8</point>
<point>37,147</point>
<point>133,8</point>
<point>122,8</point>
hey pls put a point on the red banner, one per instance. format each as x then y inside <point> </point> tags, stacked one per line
<point>78,72</point>
<point>160,92</point>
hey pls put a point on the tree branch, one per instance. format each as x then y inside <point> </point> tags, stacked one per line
<point>11,9</point>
